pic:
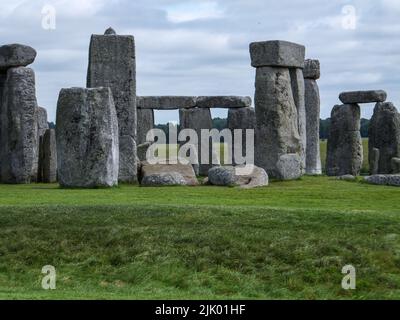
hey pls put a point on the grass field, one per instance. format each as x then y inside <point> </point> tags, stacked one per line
<point>286,241</point>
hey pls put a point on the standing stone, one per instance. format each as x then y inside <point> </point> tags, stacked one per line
<point>145,123</point>
<point>244,119</point>
<point>112,63</point>
<point>396,165</point>
<point>298,88</point>
<point>42,127</point>
<point>49,157</point>
<point>345,153</point>
<point>18,126</point>
<point>3,76</point>
<point>277,131</point>
<point>197,119</point>
<point>87,138</point>
<point>280,108</point>
<point>384,135</point>
<point>312,103</point>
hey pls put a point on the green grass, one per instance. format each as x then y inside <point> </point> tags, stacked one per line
<point>365,166</point>
<point>286,241</point>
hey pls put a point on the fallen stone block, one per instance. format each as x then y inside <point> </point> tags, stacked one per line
<point>232,176</point>
<point>167,174</point>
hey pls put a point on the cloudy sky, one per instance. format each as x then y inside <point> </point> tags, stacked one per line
<point>200,47</point>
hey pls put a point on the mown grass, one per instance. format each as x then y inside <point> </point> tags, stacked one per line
<point>286,241</point>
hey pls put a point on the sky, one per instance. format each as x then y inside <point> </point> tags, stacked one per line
<point>201,47</point>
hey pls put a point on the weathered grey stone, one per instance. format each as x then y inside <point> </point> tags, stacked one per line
<point>112,63</point>
<point>379,179</point>
<point>312,103</point>
<point>87,138</point>
<point>166,102</point>
<point>3,77</point>
<point>344,155</point>
<point>49,157</point>
<point>363,96</point>
<point>244,119</point>
<point>232,176</point>
<point>128,160</point>
<point>142,150</point>
<point>167,174</point>
<point>16,55</point>
<point>384,135</point>
<point>258,178</point>
<point>198,119</point>
<point>347,177</point>
<point>222,176</point>
<point>374,161</point>
<point>298,89</point>
<point>396,165</point>
<point>18,126</point>
<point>223,102</point>
<point>145,123</point>
<point>110,32</point>
<point>312,69</point>
<point>277,131</point>
<point>164,179</point>
<point>277,54</point>
<point>384,179</point>
<point>289,167</point>
<point>42,127</point>
<point>394,180</point>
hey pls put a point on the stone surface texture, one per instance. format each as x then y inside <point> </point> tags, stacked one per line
<point>87,138</point>
<point>277,54</point>
<point>19,138</point>
<point>112,63</point>
<point>384,136</point>
<point>312,103</point>
<point>344,151</point>
<point>277,130</point>
<point>16,55</point>
<point>363,96</point>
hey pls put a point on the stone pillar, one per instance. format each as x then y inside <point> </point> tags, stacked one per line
<point>345,152</point>
<point>298,88</point>
<point>18,126</point>
<point>313,104</point>
<point>244,119</point>
<point>3,76</point>
<point>112,63</point>
<point>384,135</point>
<point>279,106</point>
<point>42,127</point>
<point>197,119</point>
<point>87,138</point>
<point>49,157</point>
<point>145,122</point>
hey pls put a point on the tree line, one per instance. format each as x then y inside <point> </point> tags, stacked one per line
<point>220,124</point>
